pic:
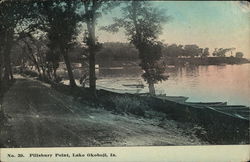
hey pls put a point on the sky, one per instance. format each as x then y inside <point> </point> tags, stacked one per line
<point>212,24</point>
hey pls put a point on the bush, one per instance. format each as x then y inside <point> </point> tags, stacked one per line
<point>126,104</point>
<point>198,131</point>
<point>30,73</point>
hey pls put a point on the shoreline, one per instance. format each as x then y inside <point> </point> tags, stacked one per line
<point>179,61</point>
<point>208,126</point>
<point>82,123</point>
<point>174,111</point>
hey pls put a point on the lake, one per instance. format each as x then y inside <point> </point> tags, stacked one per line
<point>230,83</point>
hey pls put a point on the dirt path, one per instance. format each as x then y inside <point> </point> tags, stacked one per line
<point>39,116</point>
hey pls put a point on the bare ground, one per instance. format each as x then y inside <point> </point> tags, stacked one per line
<point>39,116</point>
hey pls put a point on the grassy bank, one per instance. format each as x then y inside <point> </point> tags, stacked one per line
<point>208,125</point>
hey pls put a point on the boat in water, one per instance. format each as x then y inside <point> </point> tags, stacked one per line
<point>135,85</point>
<point>207,103</point>
<point>121,90</point>
<point>179,99</point>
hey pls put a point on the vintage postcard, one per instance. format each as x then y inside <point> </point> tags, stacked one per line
<point>107,80</point>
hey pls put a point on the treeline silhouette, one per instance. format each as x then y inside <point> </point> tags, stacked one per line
<point>117,51</point>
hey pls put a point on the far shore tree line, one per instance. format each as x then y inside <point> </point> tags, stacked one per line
<point>43,33</point>
<point>117,51</point>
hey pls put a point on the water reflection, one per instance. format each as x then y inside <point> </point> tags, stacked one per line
<point>119,72</point>
<point>201,83</point>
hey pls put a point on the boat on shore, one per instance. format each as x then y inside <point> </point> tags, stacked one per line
<point>238,111</point>
<point>179,99</point>
<point>207,103</point>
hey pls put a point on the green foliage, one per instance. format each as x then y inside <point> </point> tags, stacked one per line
<point>143,24</point>
<point>221,52</point>
<point>239,54</point>
<point>126,104</point>
<point>127,52</point>
<point>62,21</point>
<point>150,62</point>
<point>117,51</point>
<point>92,11</point>
<point>173,50</point>
<point>10,15</point>
<point>191,50</point>
<point>205,52</point>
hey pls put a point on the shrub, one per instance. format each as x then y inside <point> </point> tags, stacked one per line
<point>126,104</point>
<point>199,132</point>
<point>30,73</point>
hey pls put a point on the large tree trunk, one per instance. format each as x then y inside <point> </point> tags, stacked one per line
<point>151,88</point>
<point>33,59</point>
<point>1,68</point>
<point>54,73</point>
<point>10,67</point>
<point>43,73</point>
<point>7,64</point>
<point>6,55</point>
<point>92,75</point>
<point>69,68</point>
<point>92,45</point>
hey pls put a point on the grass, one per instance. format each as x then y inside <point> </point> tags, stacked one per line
<point>126,104</point>
<point>4,87</point>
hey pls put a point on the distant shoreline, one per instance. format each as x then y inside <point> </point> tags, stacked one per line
<point>206,61</point>
<point>178,61</point>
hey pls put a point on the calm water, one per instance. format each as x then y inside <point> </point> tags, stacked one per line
<point>229,83</point>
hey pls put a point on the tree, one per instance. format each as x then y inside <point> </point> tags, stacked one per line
<point>12,14</point>
<point>222,52</point>
<point>205,53</point>
<point>92,12</point>
<point>192,50</point>
<point>8,21</point>
<point>61,27</point>
<point>29,51</point>
<point>173,50</point>
<point>34,50</point>
<point>115,51</point>
<point>239,55</point>
<point>142,24</point>
<point>52,59</point>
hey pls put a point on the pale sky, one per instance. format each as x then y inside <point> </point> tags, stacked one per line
<point>213,24</point>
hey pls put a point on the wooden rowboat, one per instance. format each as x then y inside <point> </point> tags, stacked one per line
<point>207,103</point>
<point>134,85</point>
